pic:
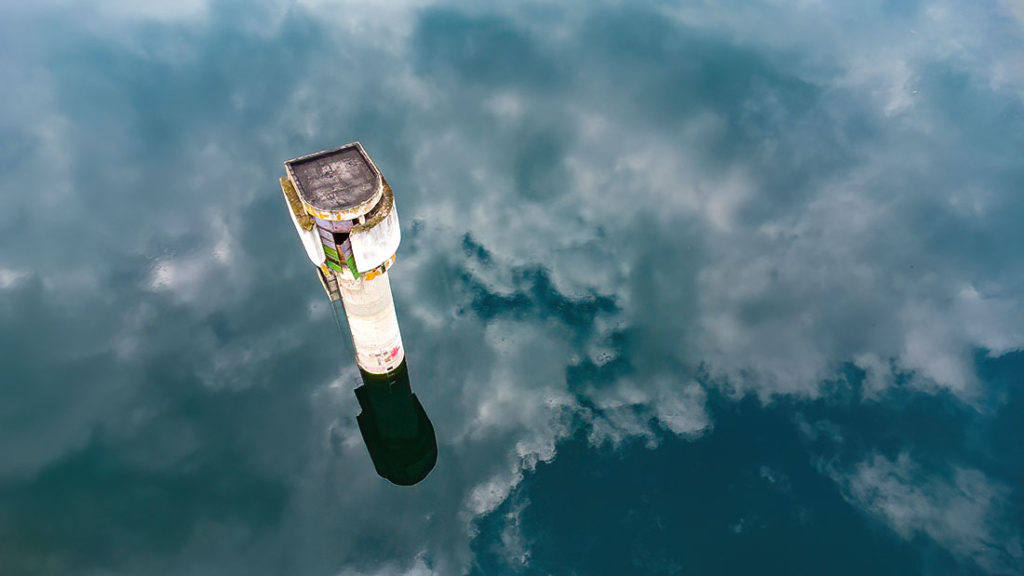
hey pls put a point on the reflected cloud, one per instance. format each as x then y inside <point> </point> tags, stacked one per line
<point>961,512</point>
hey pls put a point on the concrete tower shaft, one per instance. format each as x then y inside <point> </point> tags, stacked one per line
<point>344,212</point>
<point>370,310</point>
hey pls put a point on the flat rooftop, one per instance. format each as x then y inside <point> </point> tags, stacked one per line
<point>339,179</point>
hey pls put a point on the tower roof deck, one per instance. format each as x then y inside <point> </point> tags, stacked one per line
<point>337,184</point>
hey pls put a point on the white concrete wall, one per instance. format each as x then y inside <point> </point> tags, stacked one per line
<point>375,246</point>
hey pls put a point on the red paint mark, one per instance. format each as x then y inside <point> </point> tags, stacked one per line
<point>394,352</point>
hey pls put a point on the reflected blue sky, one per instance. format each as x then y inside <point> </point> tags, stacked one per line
<point>685,287</point>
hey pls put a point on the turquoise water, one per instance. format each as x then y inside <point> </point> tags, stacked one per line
<point>685,288</point>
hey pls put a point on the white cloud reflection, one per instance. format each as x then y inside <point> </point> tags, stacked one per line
<point>962,512</point>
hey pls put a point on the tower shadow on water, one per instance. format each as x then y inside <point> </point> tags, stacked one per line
<point>395,427</point>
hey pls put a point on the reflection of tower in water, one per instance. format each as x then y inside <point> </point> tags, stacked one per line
<point>344,212</point>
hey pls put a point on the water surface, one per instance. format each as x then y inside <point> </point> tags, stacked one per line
<point>686,287</point>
